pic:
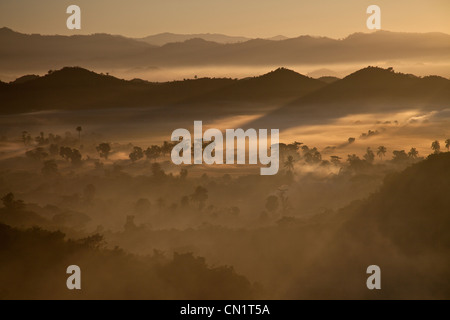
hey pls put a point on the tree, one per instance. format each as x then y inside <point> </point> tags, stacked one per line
<point>352,158</point>
<point>289,164</point>
<point>311,155</point>
<point>413,153</point>
<point>137,154</point>
<point>26,138</point>
<point>272,204</point>
<point>436,146</point>
<point>11,204</point>
<point>75,157</point>
<point>41,139</point>
<point>70,154</point>
<point>447,144</point>
<point>79,129</point>
<point>369,156</point>
<point>399,155</point>
<point>104,149</point>
<point>381,151</point>
<point>351,140</point>
<point>199,196</point>
<point>153,152</point>
<point>166,148</point>
<point>157,171</point>
<point>355,163</point>
<point>65,152</point>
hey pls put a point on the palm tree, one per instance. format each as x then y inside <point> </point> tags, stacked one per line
<point>289,164</point>
<point>436,146</point>
<point>369,156</point>
<point>79,129</point>
<point>381,151</point>
<point>413,153</point>
<point>447,144</point>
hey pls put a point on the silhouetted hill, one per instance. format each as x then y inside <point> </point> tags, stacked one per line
<point>77,88</point>
<point>370,89</point>
<point>328,79</point>
<point>402,228</point>
<point>278,38</point>
<point>25,78</point>
<point>279,85</point>
<point>44,256</point>
<point>411,209</point>
<point>167,37</point>
<point>57,51</point>
<point>164,38</point>
<point>26,52</point>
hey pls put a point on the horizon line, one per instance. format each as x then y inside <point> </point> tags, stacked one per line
<point>227,35</point>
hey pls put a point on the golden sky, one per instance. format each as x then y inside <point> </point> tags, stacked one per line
<point>251,18</point>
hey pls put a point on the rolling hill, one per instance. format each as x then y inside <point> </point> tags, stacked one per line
<point>73,88</point>
<point>371,89</point>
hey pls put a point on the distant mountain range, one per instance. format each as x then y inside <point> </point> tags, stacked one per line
<point>32,52</point>
<point>165,38</point>
<point>301,98</point>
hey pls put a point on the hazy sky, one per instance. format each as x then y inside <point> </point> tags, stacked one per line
<point>252,18</point>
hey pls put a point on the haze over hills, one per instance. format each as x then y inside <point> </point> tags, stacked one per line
<point>161,39</point>
<point>36,52</point>
<point>279,85</point>
<point>369,90</point>
<point>77,88</point>
<point>302,99</point>
<point>167,37</point>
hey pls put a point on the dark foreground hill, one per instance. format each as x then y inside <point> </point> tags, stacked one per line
<point>305,99</point>
<point>403,229</point>
<point>34,264</point>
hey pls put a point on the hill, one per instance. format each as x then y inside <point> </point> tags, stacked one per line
<point>402,228</point>
<point>73,88</point>
<point>34,262</point>
<point>371,89</point>
<point>38,52</point>
<point>167,37</point>
<point>279,85</point>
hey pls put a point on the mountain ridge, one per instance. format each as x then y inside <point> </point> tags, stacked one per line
<point>22,52</point>
<point>368,89</point>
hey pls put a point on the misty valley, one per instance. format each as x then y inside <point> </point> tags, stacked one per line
<point>87,178</point>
